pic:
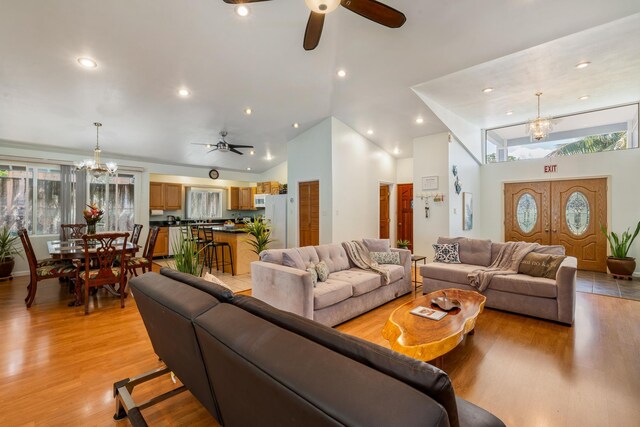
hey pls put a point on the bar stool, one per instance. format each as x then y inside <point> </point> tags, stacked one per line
<point>222,245</point>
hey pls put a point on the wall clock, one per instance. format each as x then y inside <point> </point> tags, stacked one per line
<point>214,174</point>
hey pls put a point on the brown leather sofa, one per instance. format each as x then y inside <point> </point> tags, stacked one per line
<point>251,364</point>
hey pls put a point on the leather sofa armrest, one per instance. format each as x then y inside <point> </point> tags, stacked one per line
<point>405,261</point>
<point>285,288</point>
<point>566,284</point>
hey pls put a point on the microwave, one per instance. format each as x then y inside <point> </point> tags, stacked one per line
<point>259,200</point>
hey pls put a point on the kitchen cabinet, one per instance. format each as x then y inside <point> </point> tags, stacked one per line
<point>165,196</point>
<point>234,199</point>
<point>246,198</point>
<point>269,187</point>
<point>162,242</point>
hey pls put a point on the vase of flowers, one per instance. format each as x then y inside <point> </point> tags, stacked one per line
<point>92,216</point>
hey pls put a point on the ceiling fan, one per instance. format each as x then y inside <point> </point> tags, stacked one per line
<point>370,9</point>
<point>224,146</point>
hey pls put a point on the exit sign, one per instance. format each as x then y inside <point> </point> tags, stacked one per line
<point>550,168</point>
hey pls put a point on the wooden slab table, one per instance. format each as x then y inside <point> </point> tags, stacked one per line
<point>425,339</point>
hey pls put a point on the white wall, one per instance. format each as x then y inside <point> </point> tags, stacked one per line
<point>276,173</point>
<point>404,171</point>
<point>469,174</point>
<point>309,159</point>
<point>358,168</point>
<point>621,167</point>
<point>430,158</point>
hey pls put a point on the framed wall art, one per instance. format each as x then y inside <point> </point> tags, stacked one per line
<point>429,183</point>
<point>467,211</point>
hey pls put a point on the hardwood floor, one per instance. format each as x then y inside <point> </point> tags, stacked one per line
<point>57,366</point>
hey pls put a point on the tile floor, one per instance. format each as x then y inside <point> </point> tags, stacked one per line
<point>237,283</point>
<point>604,284</point>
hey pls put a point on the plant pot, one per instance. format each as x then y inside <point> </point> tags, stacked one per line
<point>621,266</point>
<point>6,268</point>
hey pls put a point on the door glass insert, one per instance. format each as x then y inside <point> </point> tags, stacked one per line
<point>577,213</point>
<point>526,212</point>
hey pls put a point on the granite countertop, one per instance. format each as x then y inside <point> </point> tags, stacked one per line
<point>215,226</point>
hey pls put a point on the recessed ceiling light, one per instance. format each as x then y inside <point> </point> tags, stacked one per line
<point>396,150</point>
<point>584,97</point>
<point>269,157</point>
<point>242,10</point>
<point>87,62</point>
<point>248,111</point>
<point>252,152</point>
<point>184,92</point>
<point>370,132</point>
<point>248,169</point>
<point>583,64</point>
<point>509,113</point>
<point>419,120</point>
<point>487,90</point>
<point>342,73</point>
<point>296,125</point>
<point>208,145</point>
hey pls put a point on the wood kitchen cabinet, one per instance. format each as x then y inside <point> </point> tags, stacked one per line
<point>269,187</point>
<point>234,198</point>
<point>246,198</point>
<point>162,242</point>
<point>165,196</point>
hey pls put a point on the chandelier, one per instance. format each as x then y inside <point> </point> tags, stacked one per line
<point>94,167</point>
<point>539,128</point>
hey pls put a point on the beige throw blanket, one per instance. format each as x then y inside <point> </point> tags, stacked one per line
<point>359,256</point>
<point>507,262</point>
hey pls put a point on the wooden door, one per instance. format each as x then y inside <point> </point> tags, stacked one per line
<point>404,230</point>
<point>578,209</point>
<point>384,212</point>
<point>309,213</point>
<point>156,195</point>
<point>173,197</point>
<point>527,216</point>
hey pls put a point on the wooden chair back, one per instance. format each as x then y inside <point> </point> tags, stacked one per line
<point>72,231</point>
<point>135,234</point>
<point>106,253</point>
<point>28,249</point>
<point>150,246</point>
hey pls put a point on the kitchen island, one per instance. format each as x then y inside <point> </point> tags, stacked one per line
<point>240,248</point>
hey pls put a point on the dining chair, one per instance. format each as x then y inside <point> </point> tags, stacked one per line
<point>103,249</point>
<point>39,270</point>
<point>135,234</point>
<point>72,231</point>
<point>146,260</point>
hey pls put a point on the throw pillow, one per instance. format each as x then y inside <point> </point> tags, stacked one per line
<point>311,269</point>
<point>377,245</point>
<point>213,279</point>
<point>291,258</point>
<point>385,257</point>
<point>540,265</point>
<point>323,271</point>
<point>447,253</point>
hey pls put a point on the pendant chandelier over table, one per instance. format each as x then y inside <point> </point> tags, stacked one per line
<point>93,166</point>
<point>539,128</point>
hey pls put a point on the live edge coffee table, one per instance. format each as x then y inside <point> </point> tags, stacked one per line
<point>428,340</point>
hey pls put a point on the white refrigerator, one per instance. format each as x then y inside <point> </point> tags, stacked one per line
<point>275,210</point>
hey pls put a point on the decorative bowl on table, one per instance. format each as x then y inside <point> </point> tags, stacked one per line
<point>229,224</point>
<point>445,303</point>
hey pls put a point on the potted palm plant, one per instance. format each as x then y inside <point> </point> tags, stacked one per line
<point>186,256</point>
<point>8,249</point>
<point>259,232</point>
<point>619,263</point>
<point>403,244</point>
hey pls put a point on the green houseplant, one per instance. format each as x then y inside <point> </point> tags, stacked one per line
<point>619,263</point>
<point>403,244</point>
<point>8,250</point>
<point>186,256</point>
<point>259,232</point>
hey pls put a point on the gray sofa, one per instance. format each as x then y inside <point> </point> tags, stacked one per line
<point>348,292</point>
<point>534,296</point>
<point>250,364</point>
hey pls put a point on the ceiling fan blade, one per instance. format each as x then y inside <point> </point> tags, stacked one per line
<point>240,146</point>
<point>199,143</point>
<point>376,12</point>
<point>213,149</point>
<point>235,151</point>
<point>242,1</point>
<point>314,31</point>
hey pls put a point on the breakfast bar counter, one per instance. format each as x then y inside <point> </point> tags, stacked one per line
<point>240,248</point>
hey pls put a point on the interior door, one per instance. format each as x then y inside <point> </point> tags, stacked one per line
<point>405,213</point>
<point>384,212</point>
<point>578,209</point>
<point>527,212</point>
<point>309,213</point>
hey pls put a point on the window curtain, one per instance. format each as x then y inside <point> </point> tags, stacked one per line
<point>81,195</point>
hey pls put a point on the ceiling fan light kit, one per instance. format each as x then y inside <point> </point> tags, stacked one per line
<point>322,6</point>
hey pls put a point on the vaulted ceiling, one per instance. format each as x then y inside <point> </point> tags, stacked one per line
<point>147,49</point>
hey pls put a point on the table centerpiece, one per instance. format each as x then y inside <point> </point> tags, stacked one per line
<point>92,216</point>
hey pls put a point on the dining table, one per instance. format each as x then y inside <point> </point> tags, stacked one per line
<point>73,249</point>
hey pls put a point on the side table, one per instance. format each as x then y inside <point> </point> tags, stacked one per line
<point>415,259</point>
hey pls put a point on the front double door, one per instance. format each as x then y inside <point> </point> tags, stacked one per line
<point>567,213</point>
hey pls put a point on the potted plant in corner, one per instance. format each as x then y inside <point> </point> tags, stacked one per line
<point>8,249</point>
<point>186,256</point>
<point>403,244</point>
<point>259,232</point>
<point>619,263</point>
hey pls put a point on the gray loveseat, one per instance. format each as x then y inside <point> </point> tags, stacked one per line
<point>250,364</point>
<point>519,293</point>
<point>348,292</point>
